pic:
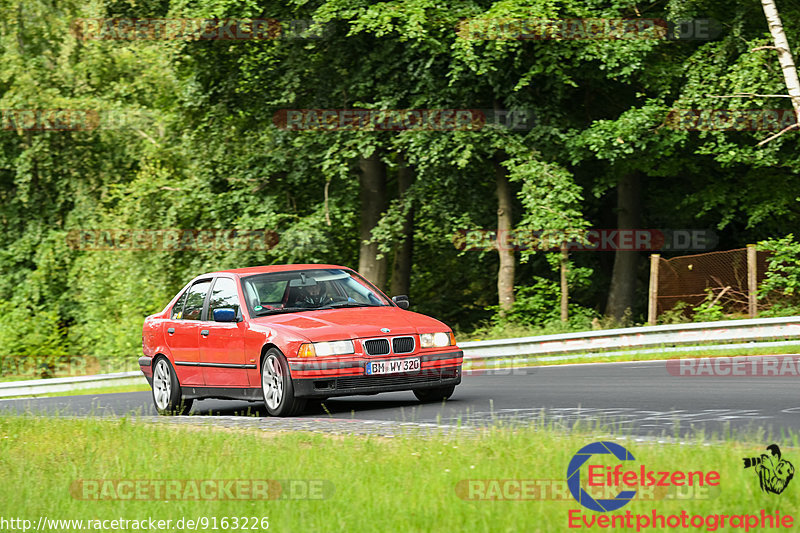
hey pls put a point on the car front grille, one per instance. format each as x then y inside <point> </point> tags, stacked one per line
<point>376,347</point>
<point>403,344</point>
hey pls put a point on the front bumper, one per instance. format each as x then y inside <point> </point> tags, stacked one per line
<point>324,379</point>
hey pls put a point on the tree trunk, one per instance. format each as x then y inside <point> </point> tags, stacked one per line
<point>623,278</point>
<point>564,263</point>
<point>505,275</point>
<point>373,203</point>
<point>401,267</point>
<point>784,53</point>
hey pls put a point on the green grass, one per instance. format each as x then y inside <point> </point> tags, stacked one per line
<point>406,483</point>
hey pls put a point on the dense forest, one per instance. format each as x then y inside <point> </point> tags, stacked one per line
<point>132,160</point>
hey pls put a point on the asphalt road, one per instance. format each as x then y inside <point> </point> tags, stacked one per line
<point>640,398</point>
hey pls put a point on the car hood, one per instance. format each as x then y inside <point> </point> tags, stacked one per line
<point>352,323</point>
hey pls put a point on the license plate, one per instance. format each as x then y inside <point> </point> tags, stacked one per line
<point>392,366</point>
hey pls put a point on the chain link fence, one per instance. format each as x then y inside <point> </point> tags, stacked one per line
<point>692,278</point>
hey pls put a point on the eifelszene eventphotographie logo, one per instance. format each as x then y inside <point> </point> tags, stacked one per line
<point>626,478</point>
<point>773,471</point>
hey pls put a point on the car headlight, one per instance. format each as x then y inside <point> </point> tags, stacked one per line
<point>322,349</point>
<point>436,340</point>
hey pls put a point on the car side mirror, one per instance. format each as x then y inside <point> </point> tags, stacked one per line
<point>224,314</point>
<point>401,301</point>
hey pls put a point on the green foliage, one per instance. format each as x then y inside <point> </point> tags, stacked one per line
<point>187,141</point>
<point>676,315</point>
<point>709,310</point>
<point>538,306</point>
<point>551,201</point>
<point>780,290</point>
<point>31,339</point>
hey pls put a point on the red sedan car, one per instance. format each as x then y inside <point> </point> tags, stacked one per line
<point>285,334</point>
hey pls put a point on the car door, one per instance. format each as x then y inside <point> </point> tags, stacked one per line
<point>183,334</point>
<point>222,343</point>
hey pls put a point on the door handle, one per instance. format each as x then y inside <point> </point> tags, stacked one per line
<point>204,332</point>
<point>170,330</point>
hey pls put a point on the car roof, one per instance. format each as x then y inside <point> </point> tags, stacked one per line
<point>272,268</point>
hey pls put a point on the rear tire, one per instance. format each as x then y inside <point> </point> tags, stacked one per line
<point>277,388</point>
<point>434,395</point>
<point>167,396</point>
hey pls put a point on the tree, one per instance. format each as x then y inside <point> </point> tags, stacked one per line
<point>373,204</point>
<point>784,56</point>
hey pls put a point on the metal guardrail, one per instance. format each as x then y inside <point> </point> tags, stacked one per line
<point>44,386</point>
<point>668,336</point>
<point>735,334</point>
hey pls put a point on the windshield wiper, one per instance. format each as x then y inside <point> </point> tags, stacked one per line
<point>266,312</point>
<point>334,305</point>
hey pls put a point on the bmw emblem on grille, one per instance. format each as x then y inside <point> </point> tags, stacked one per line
<point>385,330</point>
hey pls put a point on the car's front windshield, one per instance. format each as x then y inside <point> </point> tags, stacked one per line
<point>301,290</point>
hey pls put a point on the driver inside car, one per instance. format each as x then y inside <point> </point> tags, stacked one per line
<point>312,296</point>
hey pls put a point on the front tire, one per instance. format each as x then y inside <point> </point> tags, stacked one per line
<point>167,390</point>
<point>277,387</point>
<point>434,395</point>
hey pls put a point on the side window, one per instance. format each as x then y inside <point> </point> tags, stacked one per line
<point>223,295</point>
<point>177,309</point>
<point>194,300</point>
